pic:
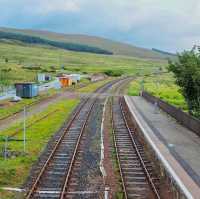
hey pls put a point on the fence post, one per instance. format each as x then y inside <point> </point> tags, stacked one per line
<point>5,147</point>
<point>156,107</point>
<point>106,196</point>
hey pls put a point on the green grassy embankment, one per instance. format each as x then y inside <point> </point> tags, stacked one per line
<point>94,86</point>
<point>25,61</point>
<point>162,86</point>
<point>14,170</point>
<point>8,108</point>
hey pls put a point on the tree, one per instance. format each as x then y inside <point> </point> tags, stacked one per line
<point>187,74</point>
<point>6,60</point>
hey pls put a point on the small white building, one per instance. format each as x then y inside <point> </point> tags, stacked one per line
<point>76,77</point>
<point>41,77</point>
<point>97,77</point>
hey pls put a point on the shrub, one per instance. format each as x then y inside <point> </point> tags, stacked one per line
<point>114,73</point>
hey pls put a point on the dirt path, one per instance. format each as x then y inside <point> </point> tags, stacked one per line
<point>37,108</point>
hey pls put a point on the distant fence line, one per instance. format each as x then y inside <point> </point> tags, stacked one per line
<point>183,118</point>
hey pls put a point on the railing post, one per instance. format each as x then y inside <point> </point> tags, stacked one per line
<point>106,195</point>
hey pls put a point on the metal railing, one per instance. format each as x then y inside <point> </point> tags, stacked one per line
<point>183,118</point>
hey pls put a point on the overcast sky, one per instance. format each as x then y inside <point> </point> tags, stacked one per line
<point>171,25</point>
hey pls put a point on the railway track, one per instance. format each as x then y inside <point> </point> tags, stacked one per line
<point>137,174</point>
<point>53,178</point>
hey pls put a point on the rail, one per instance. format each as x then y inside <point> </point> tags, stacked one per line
<point>44,167</point>
<point>119,136</point>
<point>138,153</point>
<point>117,154</point>
<point>30,193</point>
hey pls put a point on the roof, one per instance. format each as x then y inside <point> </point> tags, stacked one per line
<point>25,83</point>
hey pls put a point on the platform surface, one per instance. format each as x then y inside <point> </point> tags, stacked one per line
<point>179,146</point>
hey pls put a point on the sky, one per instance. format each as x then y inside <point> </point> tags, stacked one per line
<point>171,25</point>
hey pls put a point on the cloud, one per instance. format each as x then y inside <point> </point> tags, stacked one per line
<point>168,24</point>
<point>49,6</point>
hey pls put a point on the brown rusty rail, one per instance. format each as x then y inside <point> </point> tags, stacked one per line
<point>64,189</point>
<point>126,144</point>
<point>117,154</point>
<point>139,154</point>
<point>42,171</point>
<point>34,187</point>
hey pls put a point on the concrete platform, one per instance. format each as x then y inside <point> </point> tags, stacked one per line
<point>177,147</point>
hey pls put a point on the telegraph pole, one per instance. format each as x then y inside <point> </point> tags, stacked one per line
<point>24,132</point>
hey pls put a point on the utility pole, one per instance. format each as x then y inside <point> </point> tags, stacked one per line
<point>24,132</point>
<point>5,148</point>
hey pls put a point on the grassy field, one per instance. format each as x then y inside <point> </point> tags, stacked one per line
<point>22,57</point>
<point>92,87</point>
<point>162,86</point>
<point>17,168</point>
<point>8,108</point>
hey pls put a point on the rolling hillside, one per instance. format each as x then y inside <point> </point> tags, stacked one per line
<point>116,48</point>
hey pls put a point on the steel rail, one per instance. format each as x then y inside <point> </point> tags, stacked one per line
<point>65,186</point>
<point>117,153</point>
<point>152,185</point>
<point>33,188</point>
<point>64,189</point>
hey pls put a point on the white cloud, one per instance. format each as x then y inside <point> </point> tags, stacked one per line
<point>58,5</point>
<point>44,7</point>
<point>175,24</point>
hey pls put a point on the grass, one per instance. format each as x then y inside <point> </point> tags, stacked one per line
<point>49,59</point>
<point>162,86</point>
<point>8,108</point>
<point>17,168</point>
<point>93,86</point>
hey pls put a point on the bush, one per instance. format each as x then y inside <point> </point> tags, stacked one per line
<point>32,67</point>
<point>114,73</point>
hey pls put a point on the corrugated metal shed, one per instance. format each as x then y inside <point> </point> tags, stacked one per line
<point>65,81</point>
<point>47,77</point>
<point>26,90</point>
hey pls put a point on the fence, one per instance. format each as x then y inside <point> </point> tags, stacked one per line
<point>182,117</point>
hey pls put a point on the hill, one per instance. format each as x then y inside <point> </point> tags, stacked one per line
<point>116,48</point>
<point>21,62</point>
<point>28,39</point>
<point>164,52</point>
